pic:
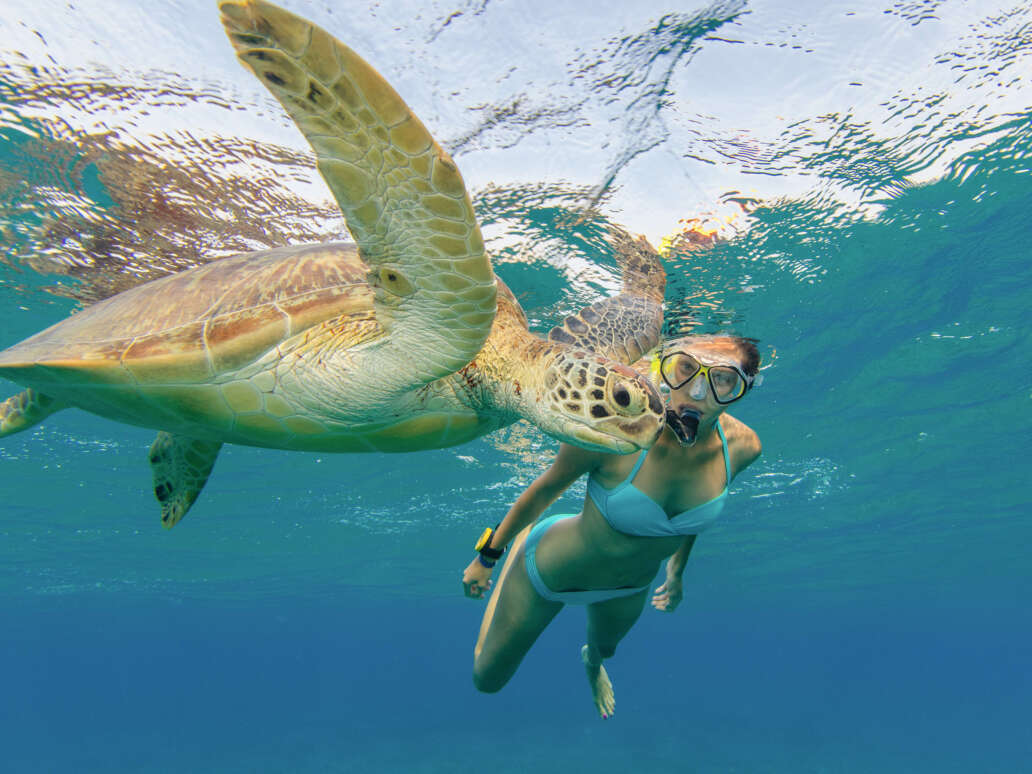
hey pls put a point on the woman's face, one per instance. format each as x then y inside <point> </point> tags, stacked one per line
<point>696,392</point>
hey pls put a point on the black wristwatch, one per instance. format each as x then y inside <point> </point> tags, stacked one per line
<point>488,556</point>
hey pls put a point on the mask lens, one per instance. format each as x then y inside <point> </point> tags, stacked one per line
<point>726,382</point>
<point>678,369</point>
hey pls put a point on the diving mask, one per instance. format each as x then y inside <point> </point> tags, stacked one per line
<point>726,381</point>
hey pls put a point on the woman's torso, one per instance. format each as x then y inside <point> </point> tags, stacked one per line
<point>590,553</point>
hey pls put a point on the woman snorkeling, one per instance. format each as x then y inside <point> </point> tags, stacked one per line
<point>639,510</point>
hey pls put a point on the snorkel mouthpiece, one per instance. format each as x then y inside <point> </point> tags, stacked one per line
<point>685,425</point>
<point>674,423</point>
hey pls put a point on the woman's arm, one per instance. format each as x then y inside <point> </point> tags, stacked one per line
<point>669,595</point>
<point>570,464</point>
<point>742,443</point>
<point>675,564</point>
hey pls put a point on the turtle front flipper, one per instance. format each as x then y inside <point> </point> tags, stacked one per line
<point>27,408</point>
<point>403,198</point>
<point>625,326</point>
<point>181,467</point>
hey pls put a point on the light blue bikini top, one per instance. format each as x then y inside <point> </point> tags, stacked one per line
<point>631,511</point>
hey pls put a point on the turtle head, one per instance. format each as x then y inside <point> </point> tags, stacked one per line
<point>591,401</point>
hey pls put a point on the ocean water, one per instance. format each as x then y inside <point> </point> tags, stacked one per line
<point>850,183</point>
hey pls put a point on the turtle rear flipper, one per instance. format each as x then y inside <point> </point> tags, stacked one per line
<point>27,408</point>
<point>181,467</point>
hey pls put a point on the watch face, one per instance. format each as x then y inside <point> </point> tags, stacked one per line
<point>485,537</point>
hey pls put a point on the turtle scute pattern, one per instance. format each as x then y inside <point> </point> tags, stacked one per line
<point>190,327</point>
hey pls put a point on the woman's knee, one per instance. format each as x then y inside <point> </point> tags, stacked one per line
<point>609,622</point>
<point>604,641</point>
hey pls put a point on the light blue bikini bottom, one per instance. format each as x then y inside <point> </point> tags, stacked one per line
<point>566,597</point>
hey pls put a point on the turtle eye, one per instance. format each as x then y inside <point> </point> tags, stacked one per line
<point>626,396</point>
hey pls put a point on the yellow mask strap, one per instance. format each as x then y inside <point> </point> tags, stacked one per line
<point>654,368</point>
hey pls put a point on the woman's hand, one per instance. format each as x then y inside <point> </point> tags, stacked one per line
<point>669,595</point>
<point>476,579</point>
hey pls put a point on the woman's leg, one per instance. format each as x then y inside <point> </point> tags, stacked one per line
<point>515,617</point>
<point>608,622</point>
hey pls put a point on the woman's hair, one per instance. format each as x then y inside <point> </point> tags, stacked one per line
<point>746,346</point>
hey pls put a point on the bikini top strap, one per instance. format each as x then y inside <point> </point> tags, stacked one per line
<point>727,456</point>
<point>637,467</point>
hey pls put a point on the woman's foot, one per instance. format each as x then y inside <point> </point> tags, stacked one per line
<point>601,688</point>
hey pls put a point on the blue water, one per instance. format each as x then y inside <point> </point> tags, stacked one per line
<point>863,604</point>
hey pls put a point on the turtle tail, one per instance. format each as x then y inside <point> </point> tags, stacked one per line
<point>27,408</point>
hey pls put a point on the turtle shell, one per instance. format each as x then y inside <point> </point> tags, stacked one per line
<point>196,325</point>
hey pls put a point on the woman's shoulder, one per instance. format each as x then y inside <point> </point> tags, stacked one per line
<point>575,461</point>
<point>743,444</point>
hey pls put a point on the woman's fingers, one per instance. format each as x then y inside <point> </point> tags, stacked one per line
<point>475,589</point>
<point>665,601</point>
<point>667,596</point>
<point>476,579</point>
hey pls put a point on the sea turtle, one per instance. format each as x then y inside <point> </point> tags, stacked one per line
<point>402,341</point>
